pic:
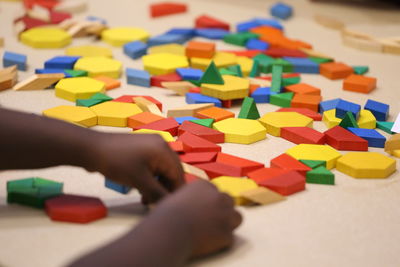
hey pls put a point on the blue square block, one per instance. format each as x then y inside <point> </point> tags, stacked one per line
<point>345,106</point>
<point>138,77</point>
<point>11,59</point>
<point>379,109</point>
<point>281,10</point>
<point>61,62</point>
<point>190,73</point>
<point>255,44</point>
<point>195,98</point>
<point>180,120</point>
<point>117,187</point>
<point>328,105</point>
<point>374,138</point>
<point>135,49</point>
<point>51,71</point>
<point>262,95</point>
<point>303,65</point>
<point>213,34</point>
<point>167,39</point>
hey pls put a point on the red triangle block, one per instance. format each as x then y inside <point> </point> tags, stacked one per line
<point>287,162</point>
<point>342,139</point>
<point>201,131</point>
<point>168,125</point>
<point>302,135</point>
<point>166,8</point>
<point>177,146</point>
<point>244,165</point>
<point>216,169</point>
<point>157,80</point>
<point>193,143</point>
<point>129,99</point>
<point>205,21</point>
<point>265,173</point>
<point>304,111</point>
<point>286,184</point>
<point>198,157</point>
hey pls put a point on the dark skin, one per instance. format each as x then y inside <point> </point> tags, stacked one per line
<point>188,221</point>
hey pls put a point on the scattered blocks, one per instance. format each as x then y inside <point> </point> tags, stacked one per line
<point>380,110</point>
<point>78,115</point>
<point>342,139</point>
<point>146,105</point>
<point>164,63</point>
<point>138,77</point>
<point>38,82</point>
<point>193,143</point>
<point>275,121</point>
<point>208,22</point>
<point>315,152</point>
<point>109,82</point>
<point>329,118</point>
<point>366,120</point>
<point>212,75</point>
<point>233,88</point>
<point>72,89</point>
<point>166,8</point>
<point>167,125</point>
<point>320,175</point>
<point>281,10</point>
<point>189,73</point>
<point>366,165</point>
<point>32,192</point>
<point>135,49</point>
<point>195,98</point>
<point>306,101</point>
<point>348,121</point>
<point>10,59</point>
<point>249,109</point>
<point>303,65</point>
<point>204,122</point>
<point>234,186</point>
<point>61,62</point>
<point>201,131</point>
<point>328,105</point>
<point>116,187</point>
<point>45,37</point>
<point>122,35</point>
<point>335,70</point>
<point>374,138</point>
<point>276,85</point>
<point>302,135</point>
<point>303,88</point>
<point>287,162</point>
<point>344,106</point>
<point>200,49</point>
<point>359,83</point>
<point>282,99</point>
<point>143,119</point>
<point>115,113</point>
<point>89,51</point>
<point>393,143</point>
<point>215,113</point>
<point>241,131</point>
<point>75,209</point>
<point>313,164</point>
<point>100,66</point>
<point>385,126</point>
<point>262,95</point>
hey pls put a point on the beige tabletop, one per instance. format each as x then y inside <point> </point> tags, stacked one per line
<point>354,223</point>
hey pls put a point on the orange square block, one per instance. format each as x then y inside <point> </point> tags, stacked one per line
<point>303,89</point>
<point>359,83</point>
<point>306,101</point>
<point>215,113</point>
<point>335,70</point>
<point>110,82</point>
<point>143,119</point>
<point>200,49</point>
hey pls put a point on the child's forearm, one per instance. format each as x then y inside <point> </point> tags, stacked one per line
<point>29,141</point>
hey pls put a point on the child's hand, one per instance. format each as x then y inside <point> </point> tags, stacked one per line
<point>137,161</point>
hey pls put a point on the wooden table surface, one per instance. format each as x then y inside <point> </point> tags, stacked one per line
<point>354,223</point>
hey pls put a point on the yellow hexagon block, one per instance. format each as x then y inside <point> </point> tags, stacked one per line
<point>163,63</point>
<point>78,88</point>
<point>115,113</point>
<point>395,153</point>
<point>45,37</point>
<point>315,152</point>
<point>221,60</point>
<point>100,66</point>
<point>241,131</point>
<point>165,135</point>
<point>121,35</point>
<point>366,120</point>
<point>330,119</point>
<point>77,115</point>
<point>89,51</point>
<point>234,186</point>
<point>175,49</point>
<point>233,88</point>
<point>246,64</point>
<point>274,121</point>
<point>366,165</point>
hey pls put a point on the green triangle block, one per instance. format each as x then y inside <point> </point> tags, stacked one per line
<point>100,96</point>
<point>276,78</point>
<point>14,185</point>
<point>290,81</point>
<point>240,38</point>
<point>360,70</point>
<point>283,100</point>
<point>255,69</point>
<point>348,121</point>
<point>385,126</point>
<point>212,75</point>
<point>224,71</point>
<point>320,60</point>
<point>88,102</point>
<point>314,163</point>
<point>320,175</point>
<point>249,109</point>
<point>77,73</point>
<point>204,122</point>
<point>195,83</point>
<point>236,69</point>
<point>287,66</point>
<point>265,63</point>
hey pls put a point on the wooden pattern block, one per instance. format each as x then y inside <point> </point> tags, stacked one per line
<point>335,70</point>
<point>306,101</point>
<point>302,135</point>
<point>234,186</point>
<point>143,119</point>
<point>157,80</point>
<point>115,114</point>
<point>198,157</point>
<point>75,209</point>
<point>168,125</point>
<point>241,131</point>
<point>249,109</point>
<point>344,106</point>
<point>233,88</point>
<point>282,99</point>
<point>109,82</point>
<point>303,89</point>
<point>385,126</point>
<point>38,82</point>
<point>348,121</point>
<point>374,138</point>
<point>123,189</point>
<point>393,143</point>
<point>120,36</point>
<point>164,134</point>
<point>8,77</point>
<point>204,122</point>
<point>200,49</point>
<point>175,49</point>
<point>10,59</point>
<point>130,99</point>
<point>89,51</point>
<point>73,89</point>
<point>188,110</point>
<point>166,8</point>
<point>262,196</point>
<point>313,164</point>
<point>215,113</point>
<point>100,66</point>
<point>366,165</point>
<point>378,109</point>
<point>244,165</point>
<point>275,121</point>
<point>201,131</point>
<point>342,139</point>
<point>190,169</point>
<point>45,37</point>
<point>163,63</point>
<point>180,87</point>
<point>287,162</point>
<point>359,83</point>
<point>208,22</point>
<point>77,115</point>
<point>177,146</point>
<point>315,152</point>
<point>198,98</point>
<point>329,118</point>
<point>216,169</point>
<point>303,111</point>
<point>320,175</point>
<point>146,105</point>
<point>366,120</point>
<point>193,143</point>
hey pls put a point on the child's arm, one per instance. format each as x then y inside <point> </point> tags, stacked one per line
<point>29,141</point>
